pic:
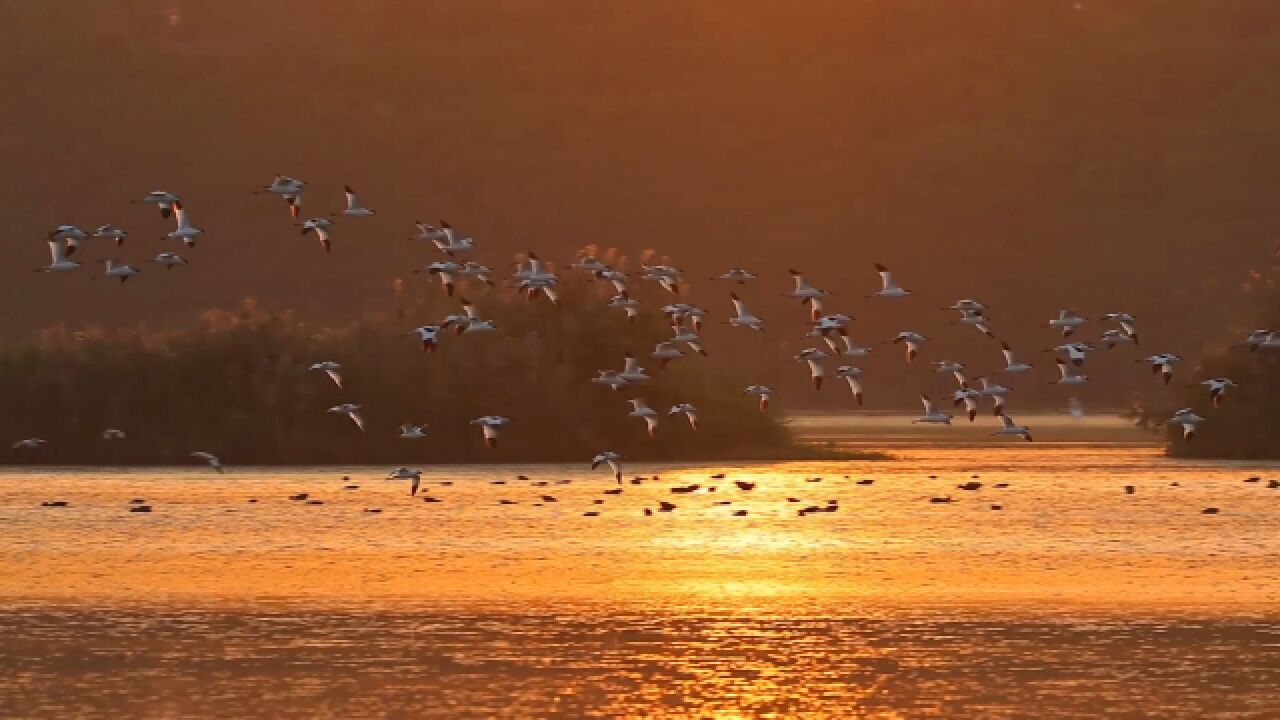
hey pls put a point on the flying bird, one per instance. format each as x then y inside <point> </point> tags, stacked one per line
<point>932,415</point>
<point>111,232</point>
<point>1012,428</point>
<point>1162,365</point>
<point>352,411</point>
<point>1011,364</point>
<point>814,358</point>
<point>169,260</point>
<point>742,316</point>
<point>764,392</point>
<point>209,458</point>
<point>1067,321</point>
<point>185,231</point>
<point>611,459</point>
<point>852,375</point>
<point>1218,388</point>
<point>489,426</point>
<point>354,207</point>
<point>162,200</point>
<point>322,227</point>
<point>412,432</point>
<point>888,288</point>
<point>1189,421</point>
<point>689,412</point>
<point>913,341</point>
<point>641,409</point>
<point>330,368</point>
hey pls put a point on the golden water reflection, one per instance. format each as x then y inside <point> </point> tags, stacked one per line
<point>1073,600</point>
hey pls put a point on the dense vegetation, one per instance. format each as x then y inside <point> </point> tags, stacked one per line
<point>237,384</point>
<point>1248,424</point>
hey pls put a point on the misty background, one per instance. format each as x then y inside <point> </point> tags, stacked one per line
<point>1095,155</point>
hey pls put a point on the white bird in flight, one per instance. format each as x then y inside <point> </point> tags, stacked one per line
<point>58,261</point>
<point>631,370</point>
<point>666,276</point>
<point>609,378</point>
<point>352,411</point>
<point>610,458</point>
<point>1114,337</point>
<point>186,232</point>
<point>1012,428</point>
<point>737,275</point>
<point>489,426</point>
<point>354,207</point>
<point>996,392</point>
<point>764,392</point>
<point>451,243</point>
<point>111,232</point>
<point>689,412</point>
<point>853,376</point>
<point>1076,352</point>
<point>956,369</point>
<point>1067,321</point>
<point>1189,420</point>
<point>290,190</point>
<point>913,341</point>
<point>116,269</point>
<point>1011,364</point>
<point>428,335</point>
<point>1127,323</point>
<point>330,368</point>
<point>641,409</point>
<point>665,352</point>
<point>625,301</point>
<point>742,316</point>
<point>968,398</point>
<point>806,293</point>
<point>888,288</point>
<point>1162,365</point>
<point>814,358</point>
<point>932,415</point>
<point>162,200</point>
<point>322,227</point>
<point>412,432</point>
<point>169,260</point>
<point>209,458</point>
<point>1069,375</point>
<point>1218,388</point>
<point>447,271</point>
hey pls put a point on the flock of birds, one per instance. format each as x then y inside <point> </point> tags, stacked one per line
<point>535,278</point>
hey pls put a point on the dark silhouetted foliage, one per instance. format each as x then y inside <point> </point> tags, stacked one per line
<point>1248,423</point>
<point>237,384</point>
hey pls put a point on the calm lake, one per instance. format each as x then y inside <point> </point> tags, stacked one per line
<point>1046,591</point>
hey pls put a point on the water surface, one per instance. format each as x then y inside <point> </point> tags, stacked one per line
<point>1073,599</point>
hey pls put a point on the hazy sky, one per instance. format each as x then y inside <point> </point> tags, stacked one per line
<point>1098,155</point>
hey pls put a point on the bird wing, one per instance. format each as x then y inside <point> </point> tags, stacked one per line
<point>630,365</point>
<point>335,376</point>
<point>356,418</point>
<point>55,249</point>
<point>886,280</point>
